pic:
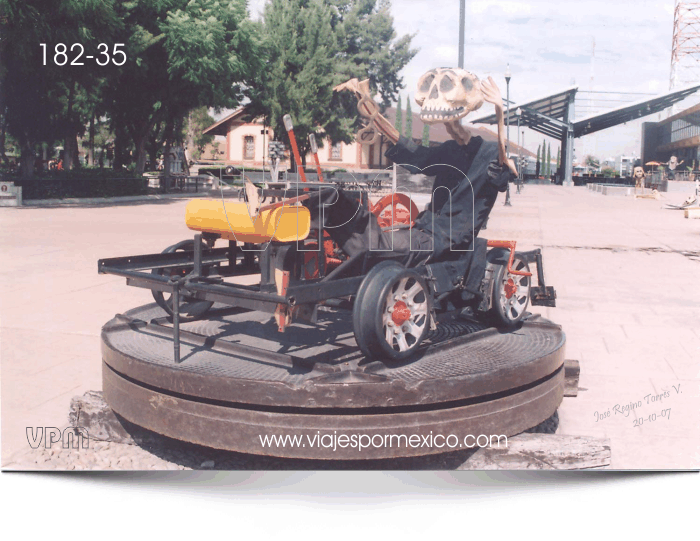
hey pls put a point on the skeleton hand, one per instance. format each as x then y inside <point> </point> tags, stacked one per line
<point>511,166</point>
<point>366,105</point>
<point>354,85</point>
<point>491,93</point>
<point>368,109</point>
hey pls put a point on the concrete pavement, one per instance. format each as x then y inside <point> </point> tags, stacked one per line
<point>626,272</point>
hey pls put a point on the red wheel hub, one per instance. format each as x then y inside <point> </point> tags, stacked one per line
<point>510,288</point>
<point>395,209</point>
<point>401,313</point>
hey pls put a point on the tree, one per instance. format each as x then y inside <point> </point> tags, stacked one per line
<point>46,93</point>
<point>592,162</point>
<point>549,160</point>
<point>426,135</point>
<point>313,45</point>
<point>398,124</point>
<point>543,161</point>
<point>197,121</point>
<point>558,158</point>
<point>182,54</point>
<point>409,119</point>
<point>368,46</point>
<point>299,76</point>
<point>537,163</point>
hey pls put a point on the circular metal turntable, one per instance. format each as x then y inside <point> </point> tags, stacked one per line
<point>241,381</point>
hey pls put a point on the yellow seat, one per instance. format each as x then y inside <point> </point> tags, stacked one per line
<point>232,221</point>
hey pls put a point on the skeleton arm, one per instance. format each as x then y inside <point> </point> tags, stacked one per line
<point>493,95</point>
<point>368,108</point>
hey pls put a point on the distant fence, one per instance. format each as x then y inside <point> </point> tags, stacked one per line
<point>60,188</point>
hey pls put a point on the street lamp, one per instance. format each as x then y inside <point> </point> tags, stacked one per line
<point>521,178</point>
<point>507,75</point>
<point>519,112</point>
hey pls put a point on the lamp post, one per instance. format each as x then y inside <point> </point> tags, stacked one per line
<point>507,75</point>
<point>521,179</point>
<point>518,112</point>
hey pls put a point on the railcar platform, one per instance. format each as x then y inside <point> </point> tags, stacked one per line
<point>239,379</point>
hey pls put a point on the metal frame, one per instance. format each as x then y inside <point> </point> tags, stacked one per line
<point>269,296</point>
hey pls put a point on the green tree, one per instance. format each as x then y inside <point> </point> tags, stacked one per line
<point>398,124</point>
<point>543,161</point>
<point>182,54</point>
<point>409,119</point>
<point>368,46</point>
<point>299,76</point>
<point>426,135</point>
<point>46,97</point>
<point>313,45</point>
<point>537,163</point>
<point>549,159</point>
<point>558,158</point>
<point>197,121</point>
<point>592,162</point>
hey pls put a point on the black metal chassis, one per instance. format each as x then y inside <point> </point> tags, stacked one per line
<point>334,289</point>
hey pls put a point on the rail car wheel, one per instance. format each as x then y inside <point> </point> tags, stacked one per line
<point>190,307</point>
<point>391,315</point>
<point>511,293</point>
<point>395,209</point>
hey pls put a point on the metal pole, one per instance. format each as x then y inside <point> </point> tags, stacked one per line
<point>520,148</point>
<point>295,150</point>
<point>520,157</point>
<point>314,151</point>
<point>462,11</point>
<point>176,322</point>
<point>507,203</point>
<point>198,255</point>
<point>522,165</point>
<point>507,112</point>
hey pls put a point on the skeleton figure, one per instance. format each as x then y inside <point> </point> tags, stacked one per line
<point>639,175</point>
<point>445,95</point>
<point>672,164</point>
<point>469,173</point>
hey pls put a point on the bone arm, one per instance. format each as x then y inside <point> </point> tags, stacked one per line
<point>502,157</point>
<point>384,126</point>
<point>381,123</point>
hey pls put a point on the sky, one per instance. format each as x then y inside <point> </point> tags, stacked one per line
<point>549,46</point>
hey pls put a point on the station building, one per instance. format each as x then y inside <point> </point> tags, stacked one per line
<point>247,143</point>
<point>677,135</point>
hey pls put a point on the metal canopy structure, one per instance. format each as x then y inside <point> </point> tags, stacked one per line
<point>632,111</point>
<point>553,116</point>
<point>545,115</point>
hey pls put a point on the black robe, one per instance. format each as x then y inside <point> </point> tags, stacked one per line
<point>467,181</point>
<point>445,225</point>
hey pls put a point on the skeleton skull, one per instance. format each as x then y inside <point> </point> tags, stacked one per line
<point>447,94</point>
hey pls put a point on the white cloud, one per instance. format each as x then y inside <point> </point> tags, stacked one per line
<point>511,8</point>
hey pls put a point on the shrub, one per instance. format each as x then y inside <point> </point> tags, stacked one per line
<point>84,182</point>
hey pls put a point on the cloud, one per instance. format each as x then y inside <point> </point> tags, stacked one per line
<point>509,7</point>
<point>554,56</point>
